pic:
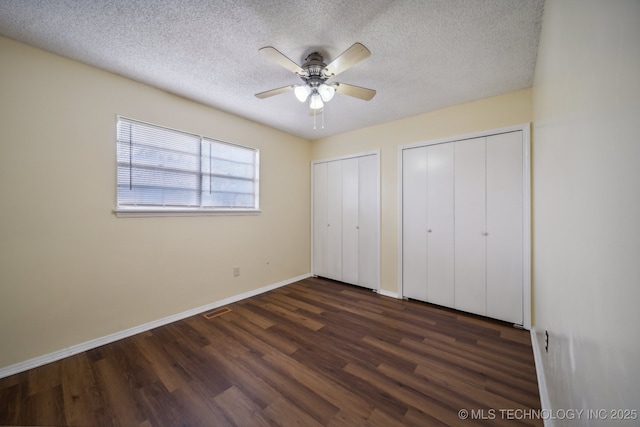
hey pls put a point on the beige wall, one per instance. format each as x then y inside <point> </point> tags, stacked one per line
<point>491,113</point>
<point>70,271</point>
<point>586,198</point>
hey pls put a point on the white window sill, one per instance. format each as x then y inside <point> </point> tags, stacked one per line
<point>154,212</point>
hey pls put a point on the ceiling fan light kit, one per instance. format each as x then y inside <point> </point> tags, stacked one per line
<point>326,92</point>
<point>315,73</point>
<point>316,102</point>
<point>320,95</point>
<point>302,92</point>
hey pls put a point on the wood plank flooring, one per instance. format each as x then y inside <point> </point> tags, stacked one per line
<point>314,353</point>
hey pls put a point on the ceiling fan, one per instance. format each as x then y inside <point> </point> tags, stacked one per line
<point>315,73</point>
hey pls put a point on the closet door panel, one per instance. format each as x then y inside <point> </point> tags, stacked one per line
<point>350,211</point>
<point>368,212</point>
<point>414,223</point>
<point>505,227</point>
<point>440,248</point>
<point>470,226</point>
<point>320,220</point>
<point>334,220</point>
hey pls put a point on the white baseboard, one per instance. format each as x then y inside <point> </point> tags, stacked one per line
<point>91,344</point>
<point>542,383</point>
<point>388,293</point>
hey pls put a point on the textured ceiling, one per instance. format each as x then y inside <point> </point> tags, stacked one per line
<point>425,54</point>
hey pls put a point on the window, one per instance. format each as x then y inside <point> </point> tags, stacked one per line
<point>165,171</point>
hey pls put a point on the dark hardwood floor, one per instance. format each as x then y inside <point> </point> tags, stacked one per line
<point>314,353</point>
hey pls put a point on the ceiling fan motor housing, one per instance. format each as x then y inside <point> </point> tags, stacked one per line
<point>313,67</point>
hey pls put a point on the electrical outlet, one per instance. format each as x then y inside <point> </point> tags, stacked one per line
<point>236,271</point>
<point>546,341</point>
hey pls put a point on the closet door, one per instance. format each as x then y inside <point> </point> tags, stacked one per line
<point>346,220</point>
<point>368,213</point>
<point>414,223</point>
<point>334,220</point>
<point>470,226</point>
<point>428,240</point>
<point>505,227</point>
<point>350,219</point>
<point>440,222</point>
<point>320,220</point>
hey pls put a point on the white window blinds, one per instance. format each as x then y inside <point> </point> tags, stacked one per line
<point>163,168</point>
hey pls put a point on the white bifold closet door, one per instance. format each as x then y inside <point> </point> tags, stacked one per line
<point>333,249</point>
<point>368,223</point>
<point>350,221</point>
<point>345,220</point>
<point>414,223</point>
<point>489,226</point>
<point>463,230</point>
<point>505,228</point>
<point>428,234</point>
<point>470,226</point>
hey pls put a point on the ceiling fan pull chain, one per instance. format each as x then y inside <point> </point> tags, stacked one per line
<point>322,114</point>
<point>314,119</point>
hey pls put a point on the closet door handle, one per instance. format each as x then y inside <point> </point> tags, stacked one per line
<point>428,231</point>
<point>485,234</point>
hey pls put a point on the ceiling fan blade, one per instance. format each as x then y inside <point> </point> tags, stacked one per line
<point>276,56</point>
<point>355,91</point>
<point>273,92</point>
<point>347,59</point>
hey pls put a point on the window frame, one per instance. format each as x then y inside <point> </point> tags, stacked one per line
<point>159,211</point>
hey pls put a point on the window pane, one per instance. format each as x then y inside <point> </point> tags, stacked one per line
<point>156,166</point>
<point>167,168</point>
<point>228,175</point>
